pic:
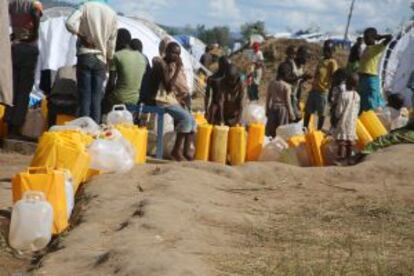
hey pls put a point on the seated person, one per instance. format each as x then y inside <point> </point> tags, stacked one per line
<point>126,73</point>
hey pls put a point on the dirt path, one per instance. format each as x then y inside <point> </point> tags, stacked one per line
<point>259,219</point>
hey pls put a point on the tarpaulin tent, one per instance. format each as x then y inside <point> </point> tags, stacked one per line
<point>58,46</point>
<point>194,45</point>
<point>398,63</point>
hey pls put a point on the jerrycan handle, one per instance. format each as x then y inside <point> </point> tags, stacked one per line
<point>38,170</point>
<point>33,196</point>
<point>119,107</point>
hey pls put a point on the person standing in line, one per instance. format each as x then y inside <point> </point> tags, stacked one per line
<point>256,74</point>
<point>144,94</point>
<point>25,20</point>
<point>318,97</point>
<point>95,25</point>
<point>355,56</point>
<point>126,73</point>
<point>6,75</point>
<point>369,83</point>
<point>279,109</point>
<point>347,112</point>
<point>207,58</point>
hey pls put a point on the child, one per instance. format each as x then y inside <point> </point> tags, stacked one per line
<point>318,97</point>
<point>256,74</point>
<point>369,86</point>
<point>279,108</point>
<point>338,87</point>
<point>347,112</point>
<point>231,94</point>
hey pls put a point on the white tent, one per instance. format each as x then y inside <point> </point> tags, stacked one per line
<point>58,47</point>
<point>398,63</point>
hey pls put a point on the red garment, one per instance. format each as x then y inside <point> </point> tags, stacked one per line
<point>23,16</point>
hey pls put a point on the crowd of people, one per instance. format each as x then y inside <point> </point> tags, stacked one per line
<point>341,93</point>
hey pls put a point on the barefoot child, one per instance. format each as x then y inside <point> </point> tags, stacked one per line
<point>232,94</point>
<point>279,109</point>
<point>347,113</point>
<point>318,97</point>
<point>338,87</point>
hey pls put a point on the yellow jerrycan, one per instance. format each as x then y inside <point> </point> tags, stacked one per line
<point>312,123</point>
<point>52,184</point>
<point>62,119</point>
<point>237,145</point>
<point>373,124</point>
<point>138,137</point>
<point>364,138</point>
<point>255,141</point>
<point>219,142</point>
<point>3,126</point>
<point>203,142</point>
<point>296,141</point>
<point>199,118</point>
<point>314,141</point>
<point>57,152</point>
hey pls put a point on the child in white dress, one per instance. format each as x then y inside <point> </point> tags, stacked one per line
<point>347,111</point>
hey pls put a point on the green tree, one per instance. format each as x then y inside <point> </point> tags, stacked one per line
<point>252,28</point>
<point>218,34</point>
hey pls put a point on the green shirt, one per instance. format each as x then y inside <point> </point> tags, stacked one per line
<point>130,67</point>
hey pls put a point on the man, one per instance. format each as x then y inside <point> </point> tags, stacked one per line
<point>126,73</point>
<point>25,19</point>
<point>6,78</point>
<point>369,83</point>
<point>95,25</point>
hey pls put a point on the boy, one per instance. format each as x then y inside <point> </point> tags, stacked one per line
<point>369,83</point>
<point>256,74</point>
<point>212,97</point>
<point>231,93</point>
<point>318,97</point>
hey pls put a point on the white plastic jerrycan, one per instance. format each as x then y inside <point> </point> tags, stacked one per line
<point>70,195</point>
<point>31,223</point>
<point>120,115</point>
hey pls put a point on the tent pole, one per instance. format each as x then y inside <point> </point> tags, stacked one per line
<point>351,10</point>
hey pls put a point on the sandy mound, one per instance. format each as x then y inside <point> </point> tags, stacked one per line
<point>258,219</point>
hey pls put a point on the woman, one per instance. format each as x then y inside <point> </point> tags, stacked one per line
<point>173,94</point>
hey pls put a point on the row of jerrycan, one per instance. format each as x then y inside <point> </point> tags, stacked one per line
<point>44,201</point>
<point>222,143</point>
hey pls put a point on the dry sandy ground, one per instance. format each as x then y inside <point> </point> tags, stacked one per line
<point>258,219</point>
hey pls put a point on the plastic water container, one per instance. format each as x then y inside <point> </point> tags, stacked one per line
<point>3,128</point>
<point>203,141</point>
<point>237,145</point>
<point>254,114</point>
<point>69,191</point>
<point>62,119</point>
<point>255,141</point>
<point>272,152</point>
<point>287,131</point>
<point>138,138</point>
<point>31,223</point>
<point>314,141</point>
<point>373,124</point>
<point>52,184</point>
<point>364,138</point>
<point>120,115</point>
<point>219,142</point>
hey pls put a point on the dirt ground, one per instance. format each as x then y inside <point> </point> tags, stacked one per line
<point>258,219</point>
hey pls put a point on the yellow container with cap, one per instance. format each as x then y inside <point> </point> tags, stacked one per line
<point>237,145</point>
<point>203,142</point>
<point>255,141</point>
<point>373,124</point>
<point>314,141</point>
<point>364,137</point>
<point>219,142</point>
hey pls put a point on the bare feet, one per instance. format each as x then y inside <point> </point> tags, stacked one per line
<point>177,156</point>
<point>189,156</point>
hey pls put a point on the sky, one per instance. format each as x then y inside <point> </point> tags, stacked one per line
<point>279,15</point>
